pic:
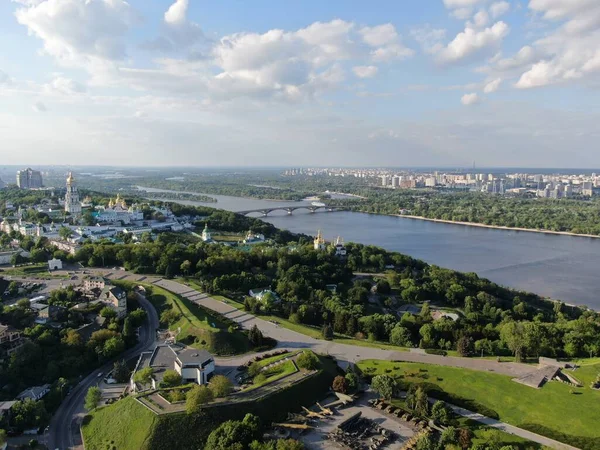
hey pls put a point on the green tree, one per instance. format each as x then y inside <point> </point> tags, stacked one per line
<point>65,232</point>
<point>416,399</point>
<point>401,336</point>
<point>137,317</point>
<point>440,413</point>
<point>448,436</point>
<point>255,336</point>
<point>169,316</point>
<point>171,378</point>
<point>352,380</point>
<point>384,385</point>
<point>108,313</point>
<point>143,376</point>
<point>513,335</point>
<point>92,398</point>
<point>308,360</point>
<point>221,386</point>
<point>196,397</point>
<point>327,332</point>
<point>3,437</point>
<point>464,346</point>
<point>120,371</point>
<point>231,435</point>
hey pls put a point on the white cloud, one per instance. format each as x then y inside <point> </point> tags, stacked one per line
<point>177,12</point>
<point>379,35</point>
<point>498,9</point>
<point>65,86</point>
<point>429,38</point>
<point>569,53</point>
<point>451,4</point>
<point>80,32</point>
<point>481,19</point>
<point>492,86</point>
<point>470,99</point>
<point>4,78</point>
<point>471,43</point>
<point>39,107</point>
<point>386,42</point>
<point>365,71</point>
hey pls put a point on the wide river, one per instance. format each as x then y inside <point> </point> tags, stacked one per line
<point>556,266</point>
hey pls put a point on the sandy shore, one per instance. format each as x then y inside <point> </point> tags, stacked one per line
<point>481,225</point>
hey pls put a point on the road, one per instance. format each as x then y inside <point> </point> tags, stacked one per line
<point>64,426</point>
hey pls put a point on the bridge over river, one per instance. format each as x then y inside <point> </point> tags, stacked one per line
<point>290,209</point>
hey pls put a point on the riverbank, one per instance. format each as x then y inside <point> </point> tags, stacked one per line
<point>496,227</point>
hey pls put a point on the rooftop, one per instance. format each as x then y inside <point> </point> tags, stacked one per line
<point>193,356</point>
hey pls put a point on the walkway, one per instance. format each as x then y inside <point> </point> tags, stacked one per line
<point>511,429</point>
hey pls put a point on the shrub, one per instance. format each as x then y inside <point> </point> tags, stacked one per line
<point>308,360</point>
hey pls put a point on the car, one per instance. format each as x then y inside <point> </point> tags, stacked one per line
<point>110,381</point>
<point>100,374</point>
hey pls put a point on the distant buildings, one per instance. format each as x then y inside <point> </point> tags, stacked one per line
<point>72,203</point>
<point>10,339</point>
<point>29,179</point>
<point>112,296</point>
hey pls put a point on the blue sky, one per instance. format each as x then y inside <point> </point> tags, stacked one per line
<point>341,82</point>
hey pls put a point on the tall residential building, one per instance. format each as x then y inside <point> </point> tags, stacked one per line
<point>72,203</point>
<point>29,179</point>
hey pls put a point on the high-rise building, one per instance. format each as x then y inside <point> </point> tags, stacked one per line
<point>396,181</point>
<point>29,179</point>
<point>384,180</point>
<point>72,203</point>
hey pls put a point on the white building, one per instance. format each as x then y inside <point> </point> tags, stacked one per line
<point>254,238</point>
<point>340,248</point>
<point>319,242</point>
<point>72,203</point>
<point>118,211</point>
<point>206,235</point>
<point>55,264</point>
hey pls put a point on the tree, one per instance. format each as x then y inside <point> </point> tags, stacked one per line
<point>73,339</point>
<point>120,371</point>
<point>464,346</point>
<point>186,266</point>
<point>169,316</point>
<point>3,437</point>
<point>137,317</point>
<point>221,386</point>
<point>232,435</point>
<point>113,346</point>
<point>465,437</point>
<point>416,399</point>
<point>92,398</point>
<point>196,397</point>
<point>65,232</point>
<point>327,332</point>
<point>440,413</point>
<point>143,376</point>
<point>255,336</point>
<point>352,380</point>
<point>108,313</point>
<point>384,385</point>
<point>513,335</point>
<point>448,436</point>
<point>340,384</point>
<point>308,360</point>
<point>128,331</point>
<point>400,336</point>
<point>171,378</point>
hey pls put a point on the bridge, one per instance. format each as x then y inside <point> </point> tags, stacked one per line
<point>290,209</point>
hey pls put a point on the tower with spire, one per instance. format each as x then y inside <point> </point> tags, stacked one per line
<point>72,203</point>
<point>319,242</point>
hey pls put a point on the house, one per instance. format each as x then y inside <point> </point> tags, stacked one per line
<point>34,393</point>
<point>55,264</point>
<point>6,407</point>
<point>46,313</point>
<point>116,298</point>
<point>252,239</point>
<point>194,366</point>
<point>91,283</point>
<point>258,294</point>
<point>10,339</point>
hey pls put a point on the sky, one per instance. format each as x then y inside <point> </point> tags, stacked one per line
<point>300,83</point>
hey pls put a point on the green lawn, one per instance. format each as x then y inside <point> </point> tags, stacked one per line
<point>198,328</point>
<point>272,359</point>
<point>553,407</point>
<point>124,425</point>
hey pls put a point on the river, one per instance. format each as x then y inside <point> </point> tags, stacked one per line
<point>556,266</point>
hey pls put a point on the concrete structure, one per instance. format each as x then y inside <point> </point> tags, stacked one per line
<point>29,179</point>
<point>34,393</point>
<point>55,264</point>
<point>319,242</point>
<point>194,366</point>
<point>72,203</point>
<point>10,339</point>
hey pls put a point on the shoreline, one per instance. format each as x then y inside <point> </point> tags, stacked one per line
<point>496,227</point>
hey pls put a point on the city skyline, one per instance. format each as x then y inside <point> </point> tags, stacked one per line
<point>179,83</point>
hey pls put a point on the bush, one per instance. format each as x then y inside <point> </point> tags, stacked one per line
<point>340,384</point>
<point>196,397</point>
<point>308,360</point>
<point>220,386</point>
<point>171,378</point>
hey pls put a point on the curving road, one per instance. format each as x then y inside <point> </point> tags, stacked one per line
<point>64,426</point>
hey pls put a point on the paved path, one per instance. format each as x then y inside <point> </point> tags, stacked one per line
<point>511,429</point>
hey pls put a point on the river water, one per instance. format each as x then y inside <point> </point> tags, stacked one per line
<point>556,266</point>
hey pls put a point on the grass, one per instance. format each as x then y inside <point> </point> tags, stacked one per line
<point>124,425</point>
<point>198,328</point>
<point>275,373</point>
<point>272,359</point>
<point>549,411</point>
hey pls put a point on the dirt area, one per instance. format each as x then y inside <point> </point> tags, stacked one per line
<point>316,439</point>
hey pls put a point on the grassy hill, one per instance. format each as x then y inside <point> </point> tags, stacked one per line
<point>199,327</point>
<point>127,425</point>
<point>557,410</point>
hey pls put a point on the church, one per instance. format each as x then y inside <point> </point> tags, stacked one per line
<point>118,211</point>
